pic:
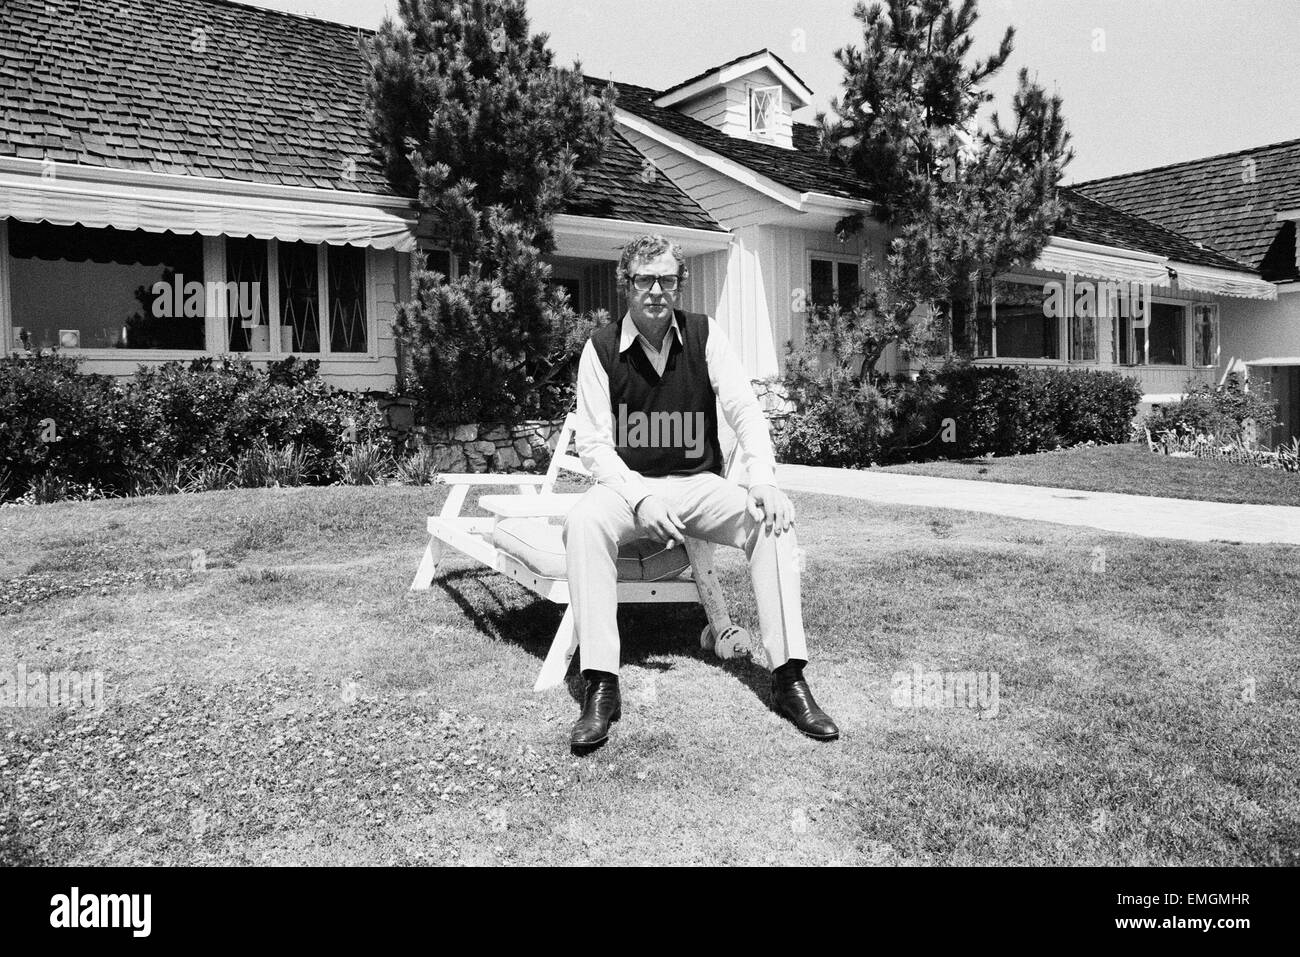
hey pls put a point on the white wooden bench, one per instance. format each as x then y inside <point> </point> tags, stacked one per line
<point>517,539</point>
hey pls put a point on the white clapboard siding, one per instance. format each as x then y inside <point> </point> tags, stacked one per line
<point>726,108</point>
<point>752,288</point>
<point>716,108</point>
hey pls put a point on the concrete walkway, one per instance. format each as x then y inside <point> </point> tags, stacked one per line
<point>1135,514</point>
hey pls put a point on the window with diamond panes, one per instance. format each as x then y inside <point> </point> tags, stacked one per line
<point>347,299</point>
<point>246,260</point>
<point>299,295</point>
<point>763,106</point>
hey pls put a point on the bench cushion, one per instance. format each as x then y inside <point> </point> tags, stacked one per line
<point>540,546</point>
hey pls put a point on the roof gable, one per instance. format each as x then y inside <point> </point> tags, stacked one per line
<point>751,97</point>
<point>803,168</point>
<point>742,66</point>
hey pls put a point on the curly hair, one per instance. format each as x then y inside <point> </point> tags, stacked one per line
<point>648,247</point>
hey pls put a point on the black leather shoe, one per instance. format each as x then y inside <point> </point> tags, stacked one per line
<point>601,704</point>
<point>794,700</point>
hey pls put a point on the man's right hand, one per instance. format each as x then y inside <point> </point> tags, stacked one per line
<point>655,517</point>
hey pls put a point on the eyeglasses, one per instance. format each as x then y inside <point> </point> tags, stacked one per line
<point>644,282</point>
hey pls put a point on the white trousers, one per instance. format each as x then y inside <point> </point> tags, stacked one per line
<point>712,509</point>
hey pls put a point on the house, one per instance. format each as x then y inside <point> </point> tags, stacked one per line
<point>1244,204</point>
<point>158,141</point>
<point>767,183</point>
<point>179,142</point>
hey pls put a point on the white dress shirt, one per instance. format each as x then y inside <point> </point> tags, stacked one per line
<point>740,410</point>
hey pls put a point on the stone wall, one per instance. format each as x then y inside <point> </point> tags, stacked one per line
<point>528,447</point>
<point>776,405</point>
<point>475,447</point>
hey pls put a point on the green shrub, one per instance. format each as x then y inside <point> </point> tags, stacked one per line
<point>365,464</point>
<point>837,432</point>
<point>1221,411</point>
<point>959,410</point>
<point>265,466</point>
<point>198,411</point>
<point>173,427</point>
<point>165,478</point>
<point>1010,410</point>
<point>57,422</point>
<point>211,477</point>
<point>419,468</point>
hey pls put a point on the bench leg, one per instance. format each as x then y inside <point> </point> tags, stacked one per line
<point>720,635</point>
<point>428,566</point>
<point>557,661</point>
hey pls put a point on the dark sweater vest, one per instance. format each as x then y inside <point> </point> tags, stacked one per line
<point>668,425</point>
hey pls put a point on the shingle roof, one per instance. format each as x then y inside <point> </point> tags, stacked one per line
<point>219,89</point>
<point>616,189</point>
<point>722,66</point>
<point>1226,201</point>
<point>803,168</point>
<point>1093,221</point>
<point>807,168</point>
<point>196,87</point>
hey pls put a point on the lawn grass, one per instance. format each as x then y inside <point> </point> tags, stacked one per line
<point>290,702</point>
<point>1130,469</point>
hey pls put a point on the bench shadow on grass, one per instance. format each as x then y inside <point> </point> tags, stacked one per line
<point>647,631</point>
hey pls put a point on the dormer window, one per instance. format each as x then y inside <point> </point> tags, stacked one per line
<point>753,97</point>
<point>764,105</point>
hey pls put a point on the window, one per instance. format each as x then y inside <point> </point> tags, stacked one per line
<point>1014,325</point>
<point>300,296</point>
<point>437,259</point>
<point>832,278</point>
<point>1083,335</point>
<point>105,288</point>
<point>1205,348</point>
<point>346,270</point>
<point>1166,335</point>
<point>1162,341</point>
<point>764,105</point>
<point>317,295</point>
<point>78,287</point>
<point>246,327</point>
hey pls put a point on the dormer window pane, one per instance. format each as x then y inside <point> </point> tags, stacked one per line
<point>764,104</point>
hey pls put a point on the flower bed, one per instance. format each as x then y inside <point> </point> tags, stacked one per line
<point>1192,445</point>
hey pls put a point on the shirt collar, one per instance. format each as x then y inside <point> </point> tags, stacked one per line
<point>630,333</point>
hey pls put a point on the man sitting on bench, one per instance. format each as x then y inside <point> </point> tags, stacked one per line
<point>648,392</point>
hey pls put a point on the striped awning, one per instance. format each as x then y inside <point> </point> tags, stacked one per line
<point>186,205</point>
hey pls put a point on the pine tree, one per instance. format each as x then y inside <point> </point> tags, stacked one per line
<point>965,203</point>
<point>470,114</point>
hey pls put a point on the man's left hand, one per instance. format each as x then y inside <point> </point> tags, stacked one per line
<point>768,504</point>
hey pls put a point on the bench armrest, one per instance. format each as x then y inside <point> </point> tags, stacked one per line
<point>529,506</point>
